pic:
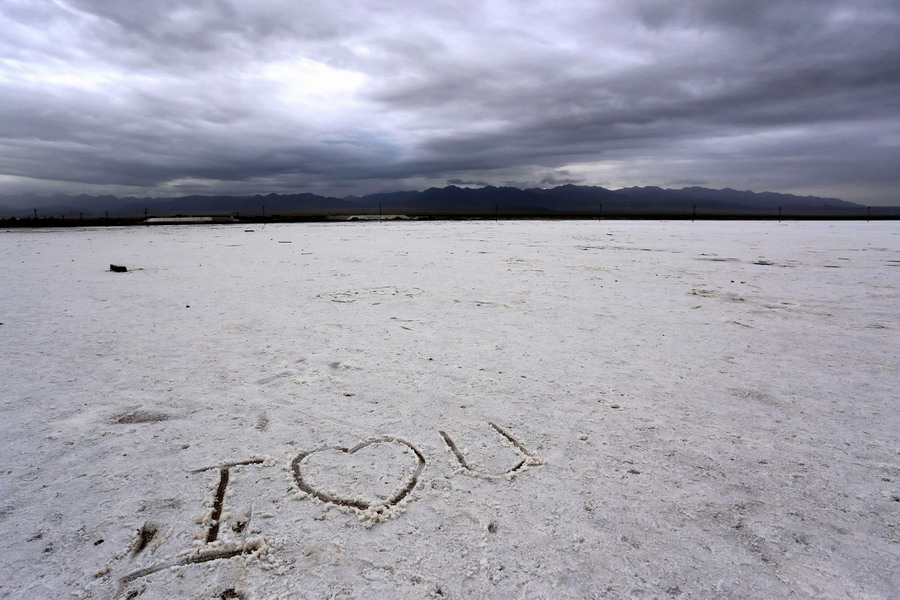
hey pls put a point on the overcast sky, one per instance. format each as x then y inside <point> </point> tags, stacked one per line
<point>169,97</point>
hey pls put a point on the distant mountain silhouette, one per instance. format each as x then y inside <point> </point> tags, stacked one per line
<point>450,200</point>
<point>385,198</point>
<point>580,198</point>
<point>729,198</point>
<point>486,199</point>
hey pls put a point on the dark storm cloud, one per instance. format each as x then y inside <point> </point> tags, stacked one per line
<point>275,95</point>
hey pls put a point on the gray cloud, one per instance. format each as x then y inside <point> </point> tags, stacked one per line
<point>223,96</point>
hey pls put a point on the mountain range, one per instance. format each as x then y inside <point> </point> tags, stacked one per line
<point>451,200</point>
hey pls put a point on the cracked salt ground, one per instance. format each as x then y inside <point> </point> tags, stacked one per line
<point>692,445</point>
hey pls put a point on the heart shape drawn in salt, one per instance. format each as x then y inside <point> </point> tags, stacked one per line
<point>325,496</point>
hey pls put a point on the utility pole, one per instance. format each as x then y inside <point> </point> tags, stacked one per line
<point>264,211</point>
<point>145,213</point>
<point>35,213</point>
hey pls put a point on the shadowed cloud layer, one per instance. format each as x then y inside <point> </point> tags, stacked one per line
<point>219,96</point>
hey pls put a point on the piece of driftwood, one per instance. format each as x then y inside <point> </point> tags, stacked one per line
<point>118,268</point>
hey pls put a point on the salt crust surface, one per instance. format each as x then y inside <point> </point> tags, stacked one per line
<point>712,408</point>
